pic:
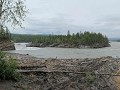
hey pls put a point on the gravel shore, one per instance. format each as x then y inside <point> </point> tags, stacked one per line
<point>65,74</point>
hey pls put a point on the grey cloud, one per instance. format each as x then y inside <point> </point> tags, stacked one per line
<point>109,21</point>
<point>47,16</point>
<point>110,25</point>
<point>54,25</point>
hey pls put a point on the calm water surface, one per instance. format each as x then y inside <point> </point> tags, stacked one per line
<point>114,51</point>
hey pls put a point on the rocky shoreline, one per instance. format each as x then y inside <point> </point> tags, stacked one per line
<point>66,45</point>
<point>66,74</point>
<point>7,45</point>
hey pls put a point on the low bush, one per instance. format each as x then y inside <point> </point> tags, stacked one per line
<point>90,77</point>
<point>8,68</point>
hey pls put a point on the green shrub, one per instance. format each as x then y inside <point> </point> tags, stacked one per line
<point>8,68</point>
<point>90,77</point>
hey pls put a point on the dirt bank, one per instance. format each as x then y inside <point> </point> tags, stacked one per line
<point>7,45</point>
<point>65,74</point>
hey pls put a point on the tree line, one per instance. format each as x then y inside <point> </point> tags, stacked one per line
<point>4,33</point>
<point>81,38</point>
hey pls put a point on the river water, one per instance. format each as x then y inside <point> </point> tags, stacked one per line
<point>48,52</point>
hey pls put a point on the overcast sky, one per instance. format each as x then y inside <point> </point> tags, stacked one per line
<point>59,16</point>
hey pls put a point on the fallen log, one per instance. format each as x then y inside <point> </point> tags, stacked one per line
<point>45,71</point>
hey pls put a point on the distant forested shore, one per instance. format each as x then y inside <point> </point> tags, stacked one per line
<point>79,40</point>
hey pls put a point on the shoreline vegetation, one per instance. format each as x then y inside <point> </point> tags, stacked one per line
<point>79,40</point>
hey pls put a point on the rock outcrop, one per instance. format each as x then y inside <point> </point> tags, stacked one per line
<point>7,45</point>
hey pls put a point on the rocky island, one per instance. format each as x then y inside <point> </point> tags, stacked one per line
<point>78,40</point>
